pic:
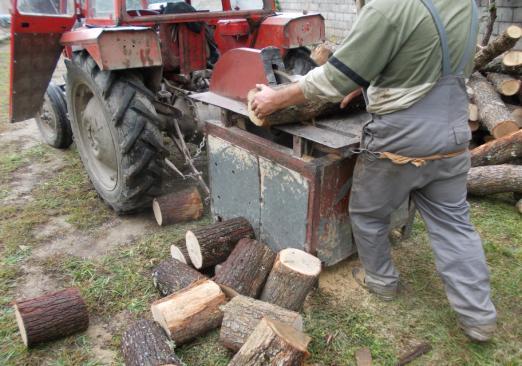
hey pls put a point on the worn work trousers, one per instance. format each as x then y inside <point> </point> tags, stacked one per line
<point>436,124</point>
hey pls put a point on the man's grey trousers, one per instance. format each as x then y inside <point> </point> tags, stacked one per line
<point>438,124</point>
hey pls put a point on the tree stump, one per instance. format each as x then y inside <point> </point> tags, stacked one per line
<point>211,245</point>
<point>179,251</point>
<point>493,113</point>
<point>505,84</point>
<point>144,343</point>
<point>247,267</point>
<point>185,205</point>
<point>190,312</point>
<point>499,151</point>
<point>484,180</point>
<point>51,316</point>
<point>273,343</point>
<point>242,314</point>
<point>499,45</point>
<point>172,275</point>
<point>293,276</point>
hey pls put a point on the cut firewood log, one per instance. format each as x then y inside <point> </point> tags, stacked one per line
<point>498,67</point>
<point>179,251</point>
<point>493,113</point>
<point>516,113</point>
<point>512,62</point>
<point>499,151</point>
<point>505,84</point>
<point>212,244</point>
<point>185,205</point>
<point>172,275</point>
<point>293,276</point>
<point>273,343</point>
<point>242,314</point>
<point>247,267</point>
<point>473,112</point>
<point>144,343</point>
<point>474,125</point>
<point>499,45</point>
<point>321,54</point>
<point>484,180</point>
<point>190,312</point>
<point>51,316</point>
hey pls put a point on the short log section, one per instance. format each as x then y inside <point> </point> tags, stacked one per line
<point>191,312</point>
<point>499,45</point>
<point>212,245</point>
<point>499,151</point>
<point>505,84</point>
<point>185,205</point>
<point>144,343</point>
<point>293,276</point>
<point>172,275</point>
<point>273,343</point>
<point>247,267</point>
<point>242,314</point>
<point>51,316</point>
<point>484,180</point>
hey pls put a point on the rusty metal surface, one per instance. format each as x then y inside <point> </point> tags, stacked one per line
<point>192,50</point>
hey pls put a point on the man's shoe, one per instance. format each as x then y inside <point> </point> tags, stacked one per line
<point>382,292</point>
<point>479,333</point>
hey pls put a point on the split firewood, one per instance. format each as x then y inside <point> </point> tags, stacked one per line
<point>190,312</point>
<point>185,205</point>
<point>493,113</point>
<point>293,276</point>
<point>512,62</point>
<point>247,267</point>
<point>51,316</point>
<point>212,244</point>
<point>273,343</point>
<point>144,343</point>
<point>321,54</point>
<point>484,180</point>
<point>505,84</point>
<point>172,275</point>
<point>179,251</point>
<point>499,45</point>
<point>499,151</point>
<point>419,350</point>
<point>242,314</point>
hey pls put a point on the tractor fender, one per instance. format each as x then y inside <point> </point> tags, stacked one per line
<point>117,48</point>
<point>291,30</point>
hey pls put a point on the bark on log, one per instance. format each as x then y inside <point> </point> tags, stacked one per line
<point>505,84</point>
<point>190,312</point>
<point>172,275</point>
<point>294,275</point>
<point>179,251</point>
<point>491,22</point>
<point>144,343</point>
<point>247,267</point>
<point>242,314</point>
<point>499,45</point>
<point>497,66</point>
<point>51,316</point>
<point>516,113</point>
<point>484,180</point>
<point>185,205</point>
<point>498,151</point>
<point>273,343</point>
<point>493,113</point>
<point>512,62</point>
<point>212,245</point>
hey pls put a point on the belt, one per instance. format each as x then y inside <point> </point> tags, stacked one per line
<point>403,160</point>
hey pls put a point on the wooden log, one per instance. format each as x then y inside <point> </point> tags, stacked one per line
<point>491,21</point>
<point>499,151</point>
<point>293,276</point>
<point>505,84</point>
<point>172,275</point>
<point>144,343</point>
<point>484,180</point>
<point>212,244</point>
<point>321,54</point>
<point>185,205</point>
<point>473,112</point>
<point>179,251</point>
<point>497,66</point>
<point>273,343</point>
<point>474,126</point>
<point>242,314</point>
<point>190,312</point>
<point>247,267</point>
<point>493,113</point>
<point>51,316</point>
<point>499,45</point>
<point>512,62</point>
<point>516,113</point>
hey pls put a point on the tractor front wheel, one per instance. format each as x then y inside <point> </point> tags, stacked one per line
<point>113,123</point>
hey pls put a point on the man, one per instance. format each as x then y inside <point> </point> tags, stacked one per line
<point>412,56</point>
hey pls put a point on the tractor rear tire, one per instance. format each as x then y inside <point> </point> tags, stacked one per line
<point>115,127</point>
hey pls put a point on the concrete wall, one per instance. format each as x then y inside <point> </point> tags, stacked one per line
<point>508,12</point>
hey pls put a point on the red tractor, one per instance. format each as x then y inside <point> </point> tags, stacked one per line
<point>131,66</point>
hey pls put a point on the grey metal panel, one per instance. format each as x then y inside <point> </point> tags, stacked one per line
<point>322,136</point>
<point>234,182</point>
<point>284,207</point>
<point>220,101</point>
<point>339,243</point>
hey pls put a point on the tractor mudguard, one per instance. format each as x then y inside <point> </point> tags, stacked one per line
<point>291,30</point>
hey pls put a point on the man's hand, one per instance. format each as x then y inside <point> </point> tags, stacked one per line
<point>347,99</point>
<point>265,101</point>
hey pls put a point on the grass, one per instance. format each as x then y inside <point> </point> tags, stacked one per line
<point>340,319</point>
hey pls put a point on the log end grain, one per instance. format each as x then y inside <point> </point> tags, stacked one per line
<point>473,112</point>
<point>514,31</point>
<point>512,59</point>
<point>194,249</point>
<point>504,128</point>
<point>300,262</point>
<point>176,253</point>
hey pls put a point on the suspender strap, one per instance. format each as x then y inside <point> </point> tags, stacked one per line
<point>470,46</point>
<point>446,63</point>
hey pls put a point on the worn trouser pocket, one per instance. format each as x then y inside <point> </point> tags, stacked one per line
<point>462,134</point>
